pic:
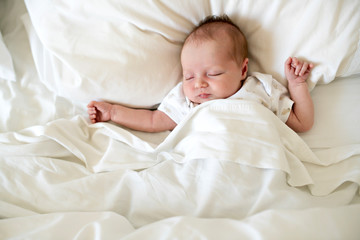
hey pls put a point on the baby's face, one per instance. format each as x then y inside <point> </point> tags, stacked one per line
<point>209,71</point>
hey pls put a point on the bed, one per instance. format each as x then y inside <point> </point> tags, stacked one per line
<point>230,170</point>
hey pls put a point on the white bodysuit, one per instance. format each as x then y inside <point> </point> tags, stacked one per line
<point>262,88</point>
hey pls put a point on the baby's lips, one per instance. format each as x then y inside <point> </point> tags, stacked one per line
<point>204,95</point>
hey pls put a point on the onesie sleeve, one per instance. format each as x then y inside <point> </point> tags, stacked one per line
<point>281,103</point>
<point>271,93</point>
<point>174,104</point>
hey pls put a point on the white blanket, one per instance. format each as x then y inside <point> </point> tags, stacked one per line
<point>229,159</point>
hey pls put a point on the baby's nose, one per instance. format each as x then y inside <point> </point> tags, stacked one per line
<point>201,83</point>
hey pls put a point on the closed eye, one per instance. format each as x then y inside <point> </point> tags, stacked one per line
<point>188,76</point>
<point>215,74</point>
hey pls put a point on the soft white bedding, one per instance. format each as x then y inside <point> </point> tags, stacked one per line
<point>229,159</point>
<point>232,170</point>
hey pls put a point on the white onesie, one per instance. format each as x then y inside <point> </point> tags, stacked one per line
<point>262,88</point>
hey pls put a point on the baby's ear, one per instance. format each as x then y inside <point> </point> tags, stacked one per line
<point>244,67</point>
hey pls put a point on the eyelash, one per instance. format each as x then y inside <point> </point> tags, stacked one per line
<point>215,74</point>
<point>208,74</point>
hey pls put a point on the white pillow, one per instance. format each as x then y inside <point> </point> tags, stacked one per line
<point>128,52</point>
<point>324,32</point>
<point>7,71</point>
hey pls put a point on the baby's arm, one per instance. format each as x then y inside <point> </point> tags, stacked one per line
<point>137,119</point>
<point>301,117</point>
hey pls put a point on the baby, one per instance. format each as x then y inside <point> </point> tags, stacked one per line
<point>215,64</point>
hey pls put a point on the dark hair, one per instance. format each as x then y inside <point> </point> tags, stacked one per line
<point>209,27</point>
<point>217,19</point>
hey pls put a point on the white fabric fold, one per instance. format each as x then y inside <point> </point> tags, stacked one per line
<point>237,131</point>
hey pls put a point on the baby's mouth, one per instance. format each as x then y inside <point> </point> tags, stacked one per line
<point>204,95</point>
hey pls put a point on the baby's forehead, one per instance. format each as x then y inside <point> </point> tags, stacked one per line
<point>220,36</point>
<point>207,52</point>
<point>221,42</point>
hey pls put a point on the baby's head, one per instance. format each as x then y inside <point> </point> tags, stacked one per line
<point>217,28</point>
<point>214,60</point>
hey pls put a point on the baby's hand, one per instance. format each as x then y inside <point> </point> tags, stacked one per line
<point>99,111</point>
<point>297,71</point>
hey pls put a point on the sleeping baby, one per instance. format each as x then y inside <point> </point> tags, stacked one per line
<point>215,64</point>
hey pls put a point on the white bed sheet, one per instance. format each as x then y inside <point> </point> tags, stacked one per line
<point>198,172</point>
<point>330,207</point>
<point>107,225</point>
